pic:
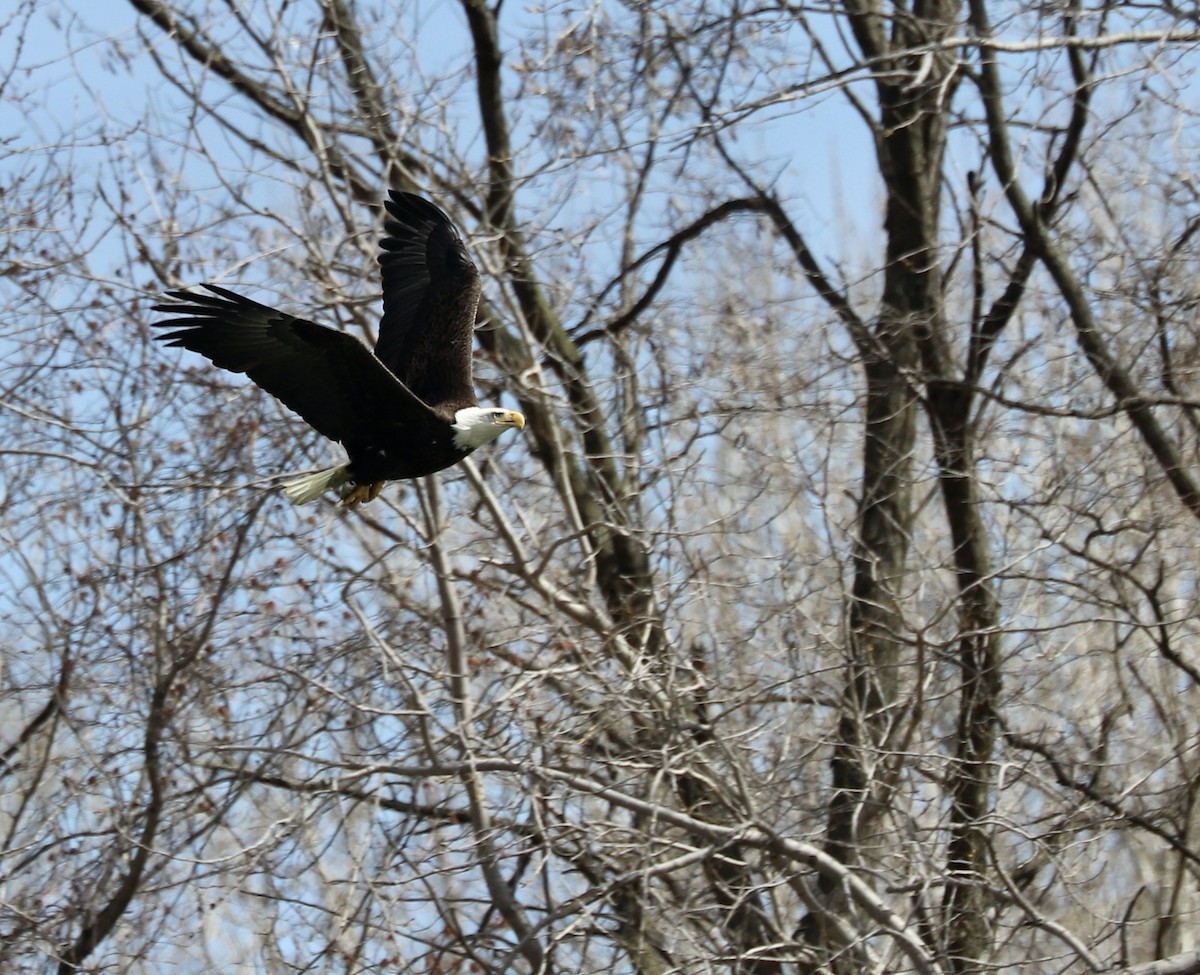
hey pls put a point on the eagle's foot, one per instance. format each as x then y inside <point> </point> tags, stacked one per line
<point>361,493</point>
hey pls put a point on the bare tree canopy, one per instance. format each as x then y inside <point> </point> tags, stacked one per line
<point>834,613</point>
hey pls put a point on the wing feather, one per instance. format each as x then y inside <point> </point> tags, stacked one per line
<point>328,377</point>
<point>430,299</point>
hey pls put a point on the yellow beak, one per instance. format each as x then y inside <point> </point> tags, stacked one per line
<point>514,419</point>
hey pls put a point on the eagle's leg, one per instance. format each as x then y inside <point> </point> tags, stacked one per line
<point>362,493</point>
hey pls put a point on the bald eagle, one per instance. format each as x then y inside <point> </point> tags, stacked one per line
<point>405,410</point>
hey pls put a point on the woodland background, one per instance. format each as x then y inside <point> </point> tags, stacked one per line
<point>834,612</point>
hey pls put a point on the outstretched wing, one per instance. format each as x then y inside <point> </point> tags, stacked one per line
<point>430,297</point>
<point>328,377</point>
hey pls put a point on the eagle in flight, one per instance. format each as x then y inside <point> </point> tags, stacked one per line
<point>405,410</point>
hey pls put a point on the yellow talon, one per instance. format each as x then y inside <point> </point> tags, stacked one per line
<point>362,493</point>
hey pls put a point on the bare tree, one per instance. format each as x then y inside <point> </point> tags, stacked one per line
<point>832,615</point>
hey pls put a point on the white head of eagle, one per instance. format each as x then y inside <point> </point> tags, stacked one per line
<point>477,425</point>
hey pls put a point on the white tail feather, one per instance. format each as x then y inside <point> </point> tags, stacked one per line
<point>311,486</point>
